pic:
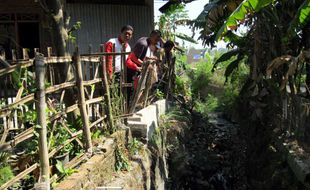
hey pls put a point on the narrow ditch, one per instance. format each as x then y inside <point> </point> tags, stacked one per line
<point>216,154</point>
<point>210,156</point>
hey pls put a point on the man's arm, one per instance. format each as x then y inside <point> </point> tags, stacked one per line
<point>133,63</point>
<point>109,64</point>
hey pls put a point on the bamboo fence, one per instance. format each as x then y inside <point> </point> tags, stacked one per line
<point>44,102</point>
<point>37,107</point>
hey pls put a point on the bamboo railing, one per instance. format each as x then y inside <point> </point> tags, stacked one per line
<point>37,116</point>
<point>45,100</point>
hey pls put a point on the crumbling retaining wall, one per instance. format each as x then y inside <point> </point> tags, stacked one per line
<point>147,171</point>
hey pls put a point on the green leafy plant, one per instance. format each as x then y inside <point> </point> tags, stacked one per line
<point>64,171</point>
<point>6,174</point>
<point>122,161</point>
<point>75,27</point>
<point>159,94</point>
<point>134,147</point>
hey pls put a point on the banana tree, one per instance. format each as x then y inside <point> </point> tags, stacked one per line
<point>174,16</point>
<point>273,29</point>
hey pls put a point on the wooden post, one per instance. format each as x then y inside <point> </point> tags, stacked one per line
<point>82,103</point>
<point>107,92</point>
<point>36,50</point>
<point>40,103</point>
<point>3,59</point>
<point>25,53</point>
<point>49,51</point>
<point>14,55</point>
<point>123,80</point>
<point>50,68</point>
<point>142,81</point>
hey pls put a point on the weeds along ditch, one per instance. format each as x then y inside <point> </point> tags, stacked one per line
<point>207,149</point>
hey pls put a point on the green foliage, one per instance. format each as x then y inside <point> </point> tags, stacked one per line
<point>134,147</point>
<point>200,77</point>
<point>225,57</point>
<point>176,15</point>
<point>159,94</point>
<point>75,27</point>
<point>96,134</point>
<point>210,104</point>
<point>246,8</point>
<point>175,114</point>
<point>64,171</point>
<point>122,161</point>
<point>301,18</point>
<point>60,136</point>
<point>24,77</point>
<point>4,157</point>
<point>2,103</point>
<point>6,174</point>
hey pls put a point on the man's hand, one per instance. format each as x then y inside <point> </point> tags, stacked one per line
<point>110,79</point>
<point>139,69</point>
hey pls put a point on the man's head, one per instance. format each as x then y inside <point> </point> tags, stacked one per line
<point>126,33</point>
<point>155,37</point>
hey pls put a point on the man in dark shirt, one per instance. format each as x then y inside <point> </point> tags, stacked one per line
<point>143,50</point>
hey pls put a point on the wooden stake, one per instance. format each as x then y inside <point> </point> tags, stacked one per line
<point>14,55</point>
<point>107,93</point>
<point>41,121</point>
<point>141,83</point>
<point>25,53</point>
<point>123,80</point>
<point>82,103</point>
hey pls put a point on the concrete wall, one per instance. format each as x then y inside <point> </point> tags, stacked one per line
<point>144,122</point>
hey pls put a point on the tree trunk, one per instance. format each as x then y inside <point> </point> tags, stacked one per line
<point>59,36</point>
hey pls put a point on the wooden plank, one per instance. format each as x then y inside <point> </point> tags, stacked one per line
<point>76,161</point>
<point>57,60</point>
<point>97,121</point>
<point>69,131</point>
<point>91,126</point>
<point>19,176</point>
<point>60,87</point>
<point>105,53</point>
<point>14,56</point>
<point>95,100</point>
<point>6,109</point>
<point>125,85</point>
<point>68,110</point>
<point>54,151</point>
<point>28,133</point>
<point>91,59</point>
<point>25,54</point>
<point>21,64</point>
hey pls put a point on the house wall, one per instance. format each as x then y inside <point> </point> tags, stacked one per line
<point>103,21</point>
<point>99,21</point>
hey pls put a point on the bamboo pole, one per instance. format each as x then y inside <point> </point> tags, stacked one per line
<point>123,80</point>
<point>14,57</point>
<point>44,180</point>
<point>141,83</point>
<point>107,93</point>
<point>82,102</point>
<point>25,53</point>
